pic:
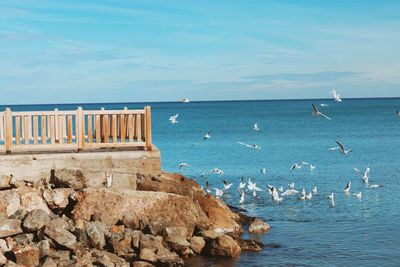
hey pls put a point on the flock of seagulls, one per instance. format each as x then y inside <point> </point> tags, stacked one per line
<point>279,194</point>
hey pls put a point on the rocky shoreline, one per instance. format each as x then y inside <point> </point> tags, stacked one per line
<point>59,221</point>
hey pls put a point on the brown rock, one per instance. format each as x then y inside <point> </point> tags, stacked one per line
<point>122,244</point>
<point>136,235</point>
<point>49,262</point>
<point>23,239</point>
<point>59,255</point>
<point>142,264</point>
<point>57,198</point>
<point>153,243</point>
<point>27,256</point>
<point>104,258</point>
<point>56,230</point>
<point>68,178</point>
<point>6,244</point>
<point>210,234</point>
<point>225,246</point>
<point>35,220</point>
<point>148,255</point>
<point>95,231</point>
<point>84,259</point>
<point>250,245</point>
<point>197,244</point>
<point>3,259</point>
<point>44,248</point>
<point>5,182</point>
<point>9,227</point>
<point>258,226</point>
<point>169,258</point>
<point>10,202</point>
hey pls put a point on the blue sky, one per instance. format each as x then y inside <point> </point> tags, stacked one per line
<point>115,51</point>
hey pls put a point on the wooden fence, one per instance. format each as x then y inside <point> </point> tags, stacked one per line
<point>60,130</point>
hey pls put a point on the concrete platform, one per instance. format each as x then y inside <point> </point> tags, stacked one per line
<point>124,165</point>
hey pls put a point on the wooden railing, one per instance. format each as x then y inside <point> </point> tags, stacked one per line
<point>79,129</point>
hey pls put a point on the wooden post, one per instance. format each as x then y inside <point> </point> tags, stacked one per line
<point>8,128</point>
<point>80,126</point>
<point>147,126</point>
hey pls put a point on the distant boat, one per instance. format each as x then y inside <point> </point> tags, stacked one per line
<point>185,100</point>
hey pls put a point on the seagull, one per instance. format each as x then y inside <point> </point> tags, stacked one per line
<point>291,185</point>
<point>252,186</point>
<point>364,175</point>
<point>290,192</point>
<point>109,180</point>
<point>255,127</point>
<point>207,135</point>
<point>333,148</point>
<point>342,149</point>
<point>263,170</point>
<point>241,201</point>
<point>271,189</point>
<point>309,196</point>
<point>250,146</point>
<point>312,167</point>
<point>315,190</point>
<point>280,189</point>
<point>255,194</point>
<point>303,195</point>
<point>276,198</point>
<point>375,186</point>
<point>241,184</point>
<point>324,105</point>
<point>332,199</point>
<point>183,165</point>
<point>358,195</point>
<point>208,191</point>
<point>173,118</point>
<point>398,112</point>
<point>227,185</point>
<point>336,96</point>
<point>317,113</point>
<point>217,171</point>
<point>299,165</point>
<point>218,192</point>
<point>347,188</point>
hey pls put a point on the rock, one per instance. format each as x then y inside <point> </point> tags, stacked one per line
<point>176,237</point>
<point>35,220</point>
<point>148,255</point>
<point>153,243</point>
<point>177,231</point>
<point>210,234</point>
<point>95,231</point>
<point>23,239</point>
<point>109,207</point>
<point>3,260</point>
<point>49,262</point>
<point>168,258</point>
<point>258,226</point>
<point>121,243</point>
<point>19,214</point>
<point>59,255</point>
<point>142,264</point>
<point>250,245</point>
<point>10,263</point>
<point>225,246</point>
<point>5,182</point>
<point>6,245</point>
<point>68,178</point>
<point>57,198</point>
<point>44,248</point>
<point>10,202</point>
<point>197,244</point>
<point>56,230</point>
<point>104,258</point>
<point>9,227</point>
<point>136,235</point>
<point>84,258</point>
<point>27,255</point>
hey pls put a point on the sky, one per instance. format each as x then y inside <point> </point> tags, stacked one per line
<point>140,51</point>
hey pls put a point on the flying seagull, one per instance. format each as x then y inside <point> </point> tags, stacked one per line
<point>347,188</point>
<point>324,105</point>
<point>289,192</point>
<point>298,165</point>
<point>342,148</point>
<point>364,175</point>
<point>218,192</point>
<point>358,195</point>
<point>249,146</point>
<point>317,113</point>
<point>336,96</point>
<point>217,171</point>
<point>255,127</point>
<point>241,201</point>
<point>207,135</point>
<point>227,185</point>
<point>173,118</point>
<point>241,184</point>
<point>253,186</point>
<point>183,165</point>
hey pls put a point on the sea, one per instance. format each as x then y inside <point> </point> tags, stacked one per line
<point>353,232</point>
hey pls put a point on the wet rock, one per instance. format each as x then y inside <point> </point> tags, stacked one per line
<point>258,226</point>
<point>27,255</point>
<point>225,246</point>
<point>49,262</point>
<point>197,244</point>
<point>9,227</point>
<point>142,264</point>
<point>104,258</point>
<point>56,230</point>
<point>35,220</point>
<point>5,182</point>
<point>23,239</point>
<point>57,198</point>
<point>68,178</point>
<point>3,259</point>
<point>250,245</point>
<point>148,255</point>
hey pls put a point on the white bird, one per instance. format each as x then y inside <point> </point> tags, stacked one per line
<point>250,146</point>
<point>289,192</point>
<point>280,189</point>
<point>207,135</point>
<point>183,165</point>
<point>342,149</point>
<point>277,199</point>
<point>242,185</point>
<point>253,186</point>
<point>324,105</point>
<point>291,185</point>
<point>303,192</point>
<point>332,199</point>
<point>263,170</point>
<point>317,113</point>
<point>255,127</point>
<point>241,201</point>
<point>255,194</point>
<point>309,196</point>
<point>302,197</point>
<point>109,180</point>
<point>364,175</point>
<point>208,191</point>
<point>375,186</point>
<point>217,171</point>
<point>315,190</point>
<point>358,195</point>
<point>331,196</point>
<point>333,148</point>
<point>398,112</point>
<point>346,190</point>
<point>271,190</point>
<point>336,96</point>
<point>227,185</point>
<point>312,167</point>
<point>218,192</point>
<point>173,118</point>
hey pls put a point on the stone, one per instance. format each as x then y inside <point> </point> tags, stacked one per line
<point>210,234</point>
<point>151,242</point>
<point>142,264</point>
<point>176,237</point>
<point>258,226</point>
<point>168,258</point>
<point>10,227</point>
<point>27,255</point>
<point>10,263</point>
<point>250,245</point>
<point>136,235</point>
<point>5,182</point>
<point>49,262</point>
<point>23,239</point>
<point>6,245</point>
<point>224,246</point>
<point>177,231</point>
<point>35,220</point>
<point>148,255</point>
<point>197,244</point>
<point>19,214</point>
<point>122,245</point>
<point>44,248</point>
<point>59,255</point>
<point>84,258</point>
<point>56,230</point>
<point>3,259</point>
<point>57,198</point>
<point>95,231</point>
<point>104,258</point>
<point>10,202</point>
<point>68,178</point>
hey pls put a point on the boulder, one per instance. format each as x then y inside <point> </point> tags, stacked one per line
<point>56,230</point>
<point>9,227</point>
<point>176,237</point>
<point>49,262</point>
<point>210,234</point>
<point>3,259</point>
<point>142,264</point>
<point>23,239</point>
<point>121,242</point>
<point>27,255</point>
<point>151,242</point>
<point>59,255</point>
<point>44,248</point>
<point>136,235</point>
<point>10,202</point>
<point>68,178</point>
<point>104,258</point>
<point>57,198</point>
<point>250,245</point>
<point>167,210</point>
<point>95,232</point>
<point>148,255</point>
<point>224,246</point>
<point>197,244</point>
<point>258,226</point>
<point>5,182</point>
<point>6,244</point>
<point>35,220</point>
<point>168,258</point>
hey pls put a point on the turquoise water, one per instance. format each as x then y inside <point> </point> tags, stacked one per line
<point>310,233</point>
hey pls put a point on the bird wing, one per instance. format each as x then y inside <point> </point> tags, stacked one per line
<point>333,148</point>
<point>323,115</point>
<point>340,145</point>
<point>305,163</point>
<point>367,171</point>
<point>315,110</point>
<point>358,171</point>
<point>244,144</point>
<point>333,92</point>
<point>293,166</point>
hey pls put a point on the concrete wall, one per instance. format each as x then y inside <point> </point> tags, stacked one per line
<point>94,165</point>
